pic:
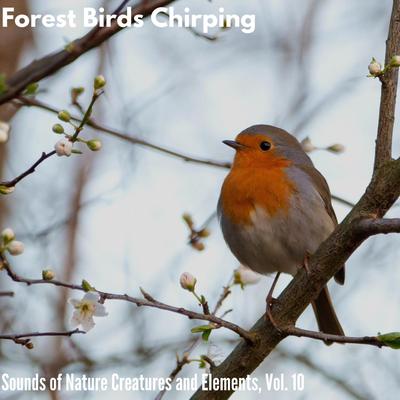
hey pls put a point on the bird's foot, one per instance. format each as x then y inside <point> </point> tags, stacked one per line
<point>270,301</point>
<point>306,263</point>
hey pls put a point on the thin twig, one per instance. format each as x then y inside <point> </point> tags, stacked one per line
<point>25,338</point>
<point>29,171</point>
<point>46,66</point>
<point>326,337</point>
<point>73,138</point>
<point>148,302</point>
<point>128,138</point>
<point>6,294</point>
<point>27,101</point>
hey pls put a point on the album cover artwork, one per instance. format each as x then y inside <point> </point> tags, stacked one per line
<point>199,199</point>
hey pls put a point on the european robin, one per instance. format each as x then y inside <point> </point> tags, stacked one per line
<point>275,210</point>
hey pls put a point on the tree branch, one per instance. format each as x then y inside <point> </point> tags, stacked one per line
<point>24,338</point>
<point>380,225</point>
<point>128,138</point>
<point>383,149</point>
<point>147,302</point>
<point>29,171</point>
<point>325,337</point>
<point>51,63</point>
<point>6,294</point>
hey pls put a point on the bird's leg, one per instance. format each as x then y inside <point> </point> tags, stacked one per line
<point>306,262</point>
<point>270,302</point>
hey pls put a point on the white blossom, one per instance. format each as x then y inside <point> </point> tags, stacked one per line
<point>245,276</point>
<point>15,248</point>
<point>4,131</point>
<point>86,309</point>
<point>187,281</point>
<point>63,148</point>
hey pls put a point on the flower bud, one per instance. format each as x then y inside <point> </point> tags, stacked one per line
<point>336,148</point>
<point>188,281</point>
<point>4,131</point>
<point>94,144</point>
<point>307,146</point>
<point>29,346</point>
<point>32,88</point>
<point>188,220</point>
<point>48,274</point>
<point>7,235</point>
<point>6,189</point>
<point>15,248</point>
<point>199,246</point>
<point>244,276</point>
<point>63,148</point>
<point>99,82</point>
<point>395,61</point>
<point>204,233</point>
<point>64,116</point>
<point>374,67</point>
<point>58,128</point>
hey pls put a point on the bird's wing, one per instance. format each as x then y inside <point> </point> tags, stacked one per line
<point>323,190</point>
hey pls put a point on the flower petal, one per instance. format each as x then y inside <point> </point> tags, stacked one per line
<point>100,311</point>
<point>87,324</point>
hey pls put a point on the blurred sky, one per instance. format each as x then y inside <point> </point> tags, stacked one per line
<point>186,93</point>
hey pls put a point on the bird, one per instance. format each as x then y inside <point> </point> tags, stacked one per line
<point>275,209</point>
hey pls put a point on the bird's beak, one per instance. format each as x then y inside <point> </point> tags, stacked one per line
<point>232,143</point>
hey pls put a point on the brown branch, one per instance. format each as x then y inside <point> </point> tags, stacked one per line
<point>379,225</point>
<point>29,171</point>
<point>383,149</point>
<point>128,138</point>
<point>53,62</point>
<point>147,302</point>
<point>73,138</point>
<point>325,337</point>
<point>6,294</point>
<point>24,338</point>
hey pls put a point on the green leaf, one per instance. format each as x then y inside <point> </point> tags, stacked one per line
<point>87,287</point>
<point>205,335</point>
<point>391,339</point>
<point>201,328</point>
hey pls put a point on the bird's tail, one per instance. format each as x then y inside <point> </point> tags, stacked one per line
<point>327,319</point>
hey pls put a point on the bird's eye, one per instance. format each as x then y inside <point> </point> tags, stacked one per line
<point>265,146</point>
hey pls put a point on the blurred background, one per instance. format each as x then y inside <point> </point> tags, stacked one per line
<point>115,217</point>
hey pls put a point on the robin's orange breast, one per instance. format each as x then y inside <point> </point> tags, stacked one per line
<point>246,188</point>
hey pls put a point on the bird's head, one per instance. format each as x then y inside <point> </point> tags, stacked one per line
<point>266,146</point>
